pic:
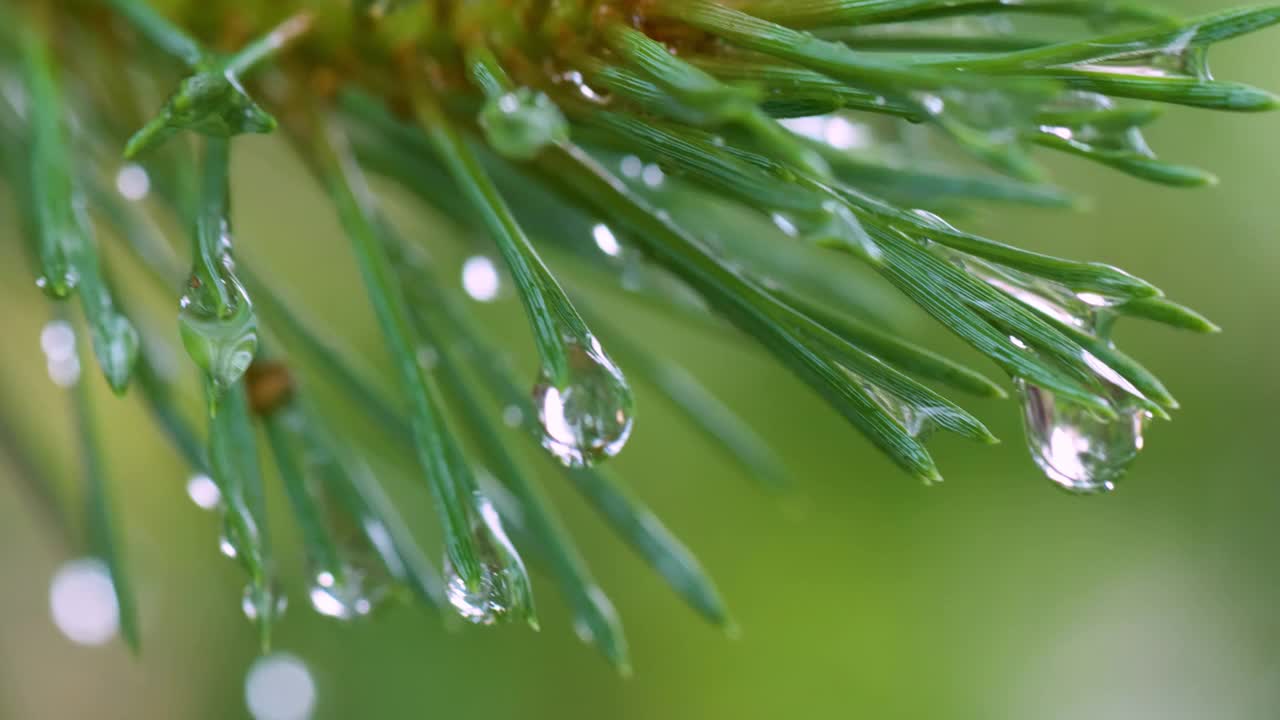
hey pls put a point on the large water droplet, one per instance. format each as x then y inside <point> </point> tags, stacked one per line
<point>222,343</point>
<point>502,591</point>
<point>1077,450</point>
<point>280,687</point>
<point>83,602</point>
<point>589,416</point>
<point>520,123</point>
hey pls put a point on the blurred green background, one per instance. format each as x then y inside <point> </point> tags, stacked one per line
<point>990,596</point>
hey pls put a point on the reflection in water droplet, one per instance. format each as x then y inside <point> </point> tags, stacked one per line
<point>204,492</point>
<point>589,416</point>
<point>500,594</point>
<point>1077,450</point>
<point>480,278</point>
<point>606,241</point>
<point>133,182</point>
<point>279,687</point>
<point>82,601</point>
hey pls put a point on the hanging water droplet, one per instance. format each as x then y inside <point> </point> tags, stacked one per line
<point>583,631</point>
<point>502,591</point>
<point>631,166</point>
<point>588,416</point>
<point>222,342</point>
<point>116,344</point>
<point>59,285</point>
<point>257,601</point>
<point>652,176</point>
<point>353,593</point>
<point>1077,450</point>
<point>520,123</point>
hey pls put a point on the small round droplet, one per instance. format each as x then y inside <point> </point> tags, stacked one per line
<point>1078,451</point>
<point>82,601</point>
<point>280,687</point>
<point>606,241</point>
<point>512,416</point>
<point>480,278</point>
<point>133,182</point>
<point>519,124</point>
<point>204,492</point>
<point>254,602</point>
<point>353,596</point>
<point>590,416</point>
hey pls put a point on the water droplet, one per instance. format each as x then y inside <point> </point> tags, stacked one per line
<point>837,225</point>
<point>59,285</point>
<point>480,278</point>
<point>226,547</point>
<point>116,343</point>
<point>204,492</point>
<point>512,416</point>
<point>502,592</point>
<point>82,601</point>
<point>133,182</point>
<point>427,357</point>
<point>652,176</point>
<point>583,631</point>
<point>632,166</point>
<point>58,341</point>
<point>279,687</point>
<point>520,123</point>
<point>1077,450</point>
<point>265,599</point>
<point>222,342</point>
<point>352,595</point>
<point>589,415</point>
<point>606,241</point>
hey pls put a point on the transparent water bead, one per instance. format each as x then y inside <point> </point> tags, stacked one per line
<point>520,123</point>
<point>353,595</point>
<point>1078,451</point>
<point>588,417</point>
<point>116,344</point>
<point>480,279</point>
<point>204,492</point>
<point>502,592</point>
<point>82,601</point>
<point>265,600</point>
<point>222,343</point>
<point>280,687</point>
<point>58,341</point>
